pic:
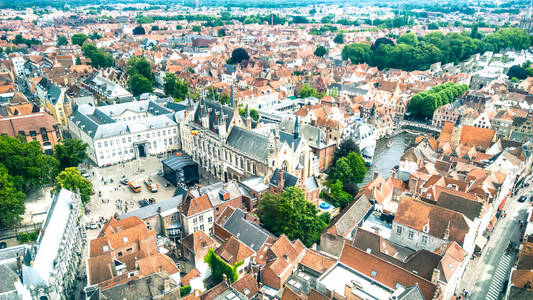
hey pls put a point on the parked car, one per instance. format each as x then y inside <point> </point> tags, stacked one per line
<point>134,187</point>
<point>522,198</point>
<point>124,180</point>
<point>152,186</point>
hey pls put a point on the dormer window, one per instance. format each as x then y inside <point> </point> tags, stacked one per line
<point>105,248</point>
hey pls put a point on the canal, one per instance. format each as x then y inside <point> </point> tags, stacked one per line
<point>386,158</point>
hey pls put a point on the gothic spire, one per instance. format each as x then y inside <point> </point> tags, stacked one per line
<point>296,128</point>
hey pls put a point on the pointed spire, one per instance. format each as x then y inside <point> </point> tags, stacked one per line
<point>296,128</point>
<point>232,97</point>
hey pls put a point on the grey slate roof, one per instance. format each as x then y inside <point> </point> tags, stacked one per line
<point>245,231</point>
<point>53,93</point>
<point>251,143</point>
<point>309,133</point>
<point>213,109</point>
<point>471,209</point>
<point>288,179</point>
<point>351,215</point>
<point>213,192</point>
<point>152,209</point>
<point>98,122</point>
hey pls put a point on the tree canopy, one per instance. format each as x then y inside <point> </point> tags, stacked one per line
<point>320,51</point>
<point>350,168</point>
<point>139,65</point>
<point>239,55</point>
<point>175,87</point>
<point>26,163</point>
<point>139,84</point>
<point>307,91</point>
<point>79,39</point>
<point>292,215</point>
<point>97,56</point>
<point>418,52</point>
<point>11,200</point>
<point>517,71</point>
<point>422,105</point>
<point>356,53</point>
<point>61,41</point>
<point>71,179</point>
<point>70,153</point>
<point>139,30</point>
<point>339,38</point>
<point>345,147</point>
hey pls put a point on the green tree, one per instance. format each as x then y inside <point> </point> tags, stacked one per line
<point>219,267</point>
<point>307,91</point>
<point>356,53</point>
<point>339,38</point>
<point>254,114</point>
<point>79,38</point>
<point>61,41</point>
<point>337,196</point>
<point>346,147</point>
<point>269,212</point>
<point>139,84</point>
<point>320,51</point>
<point>26,163</point>
<point>139,65</point>
<point>408,38</point>
<point>139,30</point>
<point>518,72</point>
<point>239,55</point>
<point>197,28</point>
<point>350,168</point>
<point>174,87</point>
<point>298,218</point>
<point>185,290</point>
<point>11,200</point>
<point>70,153</point>
<point>221,32</point>
<point>78,61</point>
<point>71,179</point>
<point>97,56</point>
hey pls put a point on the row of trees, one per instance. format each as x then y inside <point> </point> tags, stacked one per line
<point>24,167</point>
<point>418,53</point>
<point>348,171</point>
<point>422,105</point>
<point>291,214</point>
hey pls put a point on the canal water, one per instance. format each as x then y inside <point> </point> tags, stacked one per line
<point>386,158</point>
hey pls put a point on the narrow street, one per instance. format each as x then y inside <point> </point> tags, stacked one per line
<point>486,275</point>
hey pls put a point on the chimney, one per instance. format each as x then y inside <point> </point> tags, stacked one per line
<point>136,264</point>
<point>280,181</point>
<point>435,276</point>
<point>413,185</point>
<point>376,174</point>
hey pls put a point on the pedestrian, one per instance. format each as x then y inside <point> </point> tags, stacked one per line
<point>521,225</point>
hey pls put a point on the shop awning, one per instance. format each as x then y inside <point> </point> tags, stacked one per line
<point>502,204</point>
<point>492,223</point>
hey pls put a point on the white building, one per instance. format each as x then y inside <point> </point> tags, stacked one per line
<point>121,132</point>
<point>18,65</point>
<point>52,275</point>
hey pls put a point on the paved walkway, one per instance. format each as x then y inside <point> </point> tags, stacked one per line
<point>485,275</point>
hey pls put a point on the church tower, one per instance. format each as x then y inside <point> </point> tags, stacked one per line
<point>526,23</point>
